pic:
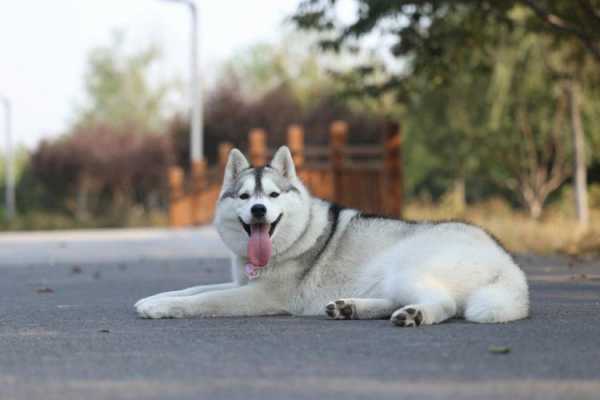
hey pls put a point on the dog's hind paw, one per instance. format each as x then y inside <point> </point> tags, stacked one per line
<point>408,316</point>
<point>341,309</point>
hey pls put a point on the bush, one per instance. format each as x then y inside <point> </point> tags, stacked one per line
<point>103,170</point>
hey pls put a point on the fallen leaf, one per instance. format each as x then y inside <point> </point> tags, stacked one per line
<point>499,349</point>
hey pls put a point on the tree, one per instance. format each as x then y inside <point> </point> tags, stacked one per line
<point>439,40</point>
<point>118,88</point>
<point>410,22</point>
<point>580,182</point>
<point>566,19</point>
<point>293,63</point>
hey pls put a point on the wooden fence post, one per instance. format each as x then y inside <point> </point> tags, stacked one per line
<point>338,131</point>
<point>177,212</point>
<point>295,138</point>
<point>224,149</point>
<point>393,189</point>
<point>257,147</point>
<point>198,189</point>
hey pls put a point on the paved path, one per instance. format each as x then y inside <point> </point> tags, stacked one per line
<point>108,246</point>
<point>68,331</point>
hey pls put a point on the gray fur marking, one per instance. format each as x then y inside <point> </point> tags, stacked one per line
<point>283,184</point>
<point>316,252</point>
<point>258,174</point>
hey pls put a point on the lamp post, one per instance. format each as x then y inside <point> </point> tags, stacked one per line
<point>196,136</point>
<point>9,201</point>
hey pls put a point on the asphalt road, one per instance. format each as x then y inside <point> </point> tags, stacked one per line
<point>68,331</point>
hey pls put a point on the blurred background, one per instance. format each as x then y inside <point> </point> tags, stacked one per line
<point>478,110</point>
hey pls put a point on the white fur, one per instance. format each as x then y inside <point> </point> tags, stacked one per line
<point>370,267</point>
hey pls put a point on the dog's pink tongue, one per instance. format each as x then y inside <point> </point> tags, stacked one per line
<point>259,245</point>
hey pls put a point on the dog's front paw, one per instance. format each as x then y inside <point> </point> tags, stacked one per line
<point>149,298</point>
<point>341,309</point>
<point>162,308</point>
<point>408,316</point>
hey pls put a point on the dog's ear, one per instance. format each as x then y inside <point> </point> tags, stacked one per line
<point>284,163</point>
<point>235,164</point>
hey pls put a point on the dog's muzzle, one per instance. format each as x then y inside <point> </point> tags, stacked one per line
<point>247,227</point>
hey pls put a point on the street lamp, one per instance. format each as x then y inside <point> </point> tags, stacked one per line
<point>9,202</point>
<point>196,137</point>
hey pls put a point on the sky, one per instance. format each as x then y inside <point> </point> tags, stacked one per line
<point>44,46</point>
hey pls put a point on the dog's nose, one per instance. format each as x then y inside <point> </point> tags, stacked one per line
<point>258,210</point>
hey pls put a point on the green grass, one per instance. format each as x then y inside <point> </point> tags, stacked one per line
<point>44,220</point>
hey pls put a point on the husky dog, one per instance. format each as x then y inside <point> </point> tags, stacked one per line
<point>295,254</point>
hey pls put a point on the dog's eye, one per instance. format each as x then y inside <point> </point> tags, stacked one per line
<point>244,196</point>
<point>274,195</point>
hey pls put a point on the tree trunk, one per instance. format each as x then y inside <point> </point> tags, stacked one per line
<point>580,169</point>
<point>535,209</point>
<point>82,210</point>
<point>459,202</point>
<point>534,201</point>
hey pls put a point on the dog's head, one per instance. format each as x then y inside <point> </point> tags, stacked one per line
<point>261,211</point>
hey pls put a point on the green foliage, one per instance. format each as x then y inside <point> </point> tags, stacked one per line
<point>120,89</point>
<point>418,27</point>
<point>481,88</point>
<point>20,157</point>
<point>40,219</point>
<point>264,67</point>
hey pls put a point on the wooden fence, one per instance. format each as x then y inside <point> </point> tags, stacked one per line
<point>367,177</point>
